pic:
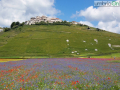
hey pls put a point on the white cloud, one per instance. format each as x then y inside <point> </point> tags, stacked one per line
<point>99,14</point>
<point>108,18</point>
<point>21,10</point>
<point>112,26</point>
<point>87,23</point>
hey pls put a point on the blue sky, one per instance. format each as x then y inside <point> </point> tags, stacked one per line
<point>83,11</point>
<point>69,7</point>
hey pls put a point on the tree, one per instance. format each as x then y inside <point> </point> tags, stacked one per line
<point>42,23</point>
<point>97,29</point>
<point>6,29</point>
<point>88,28</point>
<point>65,21</point>
<point>13,24</point>
<point>22,24</point>
<point>17,23</point>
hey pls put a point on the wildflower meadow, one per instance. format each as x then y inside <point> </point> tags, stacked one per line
<point>60,74</point>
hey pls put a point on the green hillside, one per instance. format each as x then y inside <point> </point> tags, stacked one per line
<point>50,41</point>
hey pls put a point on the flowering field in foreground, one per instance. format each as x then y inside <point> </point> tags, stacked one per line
<point>60,74</point>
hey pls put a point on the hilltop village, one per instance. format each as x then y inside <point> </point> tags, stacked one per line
<point>41,20</point>
<point>38,19</point>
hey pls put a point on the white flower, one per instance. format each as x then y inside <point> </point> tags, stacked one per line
<point>96,41</point>
<point>109,44</point>
<point>72,52</point>
<point>96,50</point>
<point>67,40</point>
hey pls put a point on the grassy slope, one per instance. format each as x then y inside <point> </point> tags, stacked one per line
<point>50,41</point>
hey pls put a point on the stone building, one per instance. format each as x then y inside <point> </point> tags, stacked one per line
<point>38,19</point>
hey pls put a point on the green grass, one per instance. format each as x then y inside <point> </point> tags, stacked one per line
<point>50,41</point>
<point>114,61</point>
<point>112,55</point>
